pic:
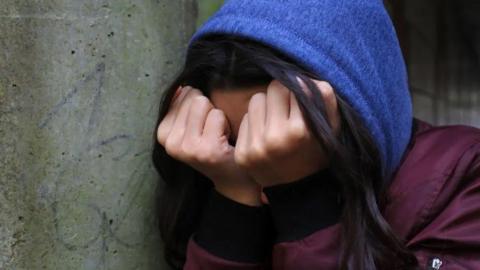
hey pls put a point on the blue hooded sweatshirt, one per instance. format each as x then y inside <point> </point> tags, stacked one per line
<point>349,43</point>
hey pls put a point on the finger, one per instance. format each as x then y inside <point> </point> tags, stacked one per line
<point>177,93</point>
<point>242,139</point>
<point>306,90</point>
<point>177,99</point>
<point>180,122</point>
<point>256,116</point>
<point>187,93</point>
<point>197,115</point>
<point>166,124</point>
<point>304,87</point>
<point>216,125</point>
<point>278,106</point>
<point>331,106</point>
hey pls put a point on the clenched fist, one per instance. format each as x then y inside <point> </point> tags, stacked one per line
<point>196,133</point>
<point>274,144</point>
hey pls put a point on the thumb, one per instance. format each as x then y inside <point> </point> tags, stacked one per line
<point>216,124</point>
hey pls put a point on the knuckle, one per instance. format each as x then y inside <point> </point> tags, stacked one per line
<point>258,96</point>
<point>161,135</point>
<point>196,92</point>
<point>325,85</point>
<point>274,142</point>
<point>256,99</point>
<point>257,153</point>
<point>192,92</point>
<point>209,154</point>
<point>274,84</point>
<point>217,114</point>
<point>298,131</point>
<point>206,157</point>
<point>187,151</point>
<point>201,101</point>
<point>171,148</point>
<point>241,159</point>
<point>327,91</point>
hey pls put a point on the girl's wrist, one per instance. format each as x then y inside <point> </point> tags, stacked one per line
<point>250,196</point>
<point>225,221</point>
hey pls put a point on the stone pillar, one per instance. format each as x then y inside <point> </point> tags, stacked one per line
<point>80,84</point>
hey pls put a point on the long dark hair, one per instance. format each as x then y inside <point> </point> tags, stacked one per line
<point>227,62</point>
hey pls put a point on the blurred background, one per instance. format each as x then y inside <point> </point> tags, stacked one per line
<point>80,84</point>
<point>441,43</point>
<point>206,8</point>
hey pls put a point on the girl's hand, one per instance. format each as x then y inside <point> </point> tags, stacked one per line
<point>274,144</point>
<point>195,132</point>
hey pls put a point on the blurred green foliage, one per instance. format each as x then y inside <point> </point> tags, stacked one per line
<point>206,8</point>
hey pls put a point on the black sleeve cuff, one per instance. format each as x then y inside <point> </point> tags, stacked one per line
<point>305,206</point>
<point>235,231</point>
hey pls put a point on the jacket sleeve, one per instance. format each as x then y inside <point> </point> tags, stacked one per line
<point>230,236</point>
<point>450,240</point>
<point>305,216</point>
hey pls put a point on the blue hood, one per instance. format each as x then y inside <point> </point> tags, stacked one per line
<point>349,43</point>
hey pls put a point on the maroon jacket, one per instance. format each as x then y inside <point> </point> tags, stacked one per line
<point>434,205</point>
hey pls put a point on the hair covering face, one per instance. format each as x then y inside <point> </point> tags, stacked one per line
<point>349,43</point>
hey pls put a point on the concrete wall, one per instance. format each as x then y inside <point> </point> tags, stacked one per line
<point>80,83</point>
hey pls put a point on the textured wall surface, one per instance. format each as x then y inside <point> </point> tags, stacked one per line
<point>80,83</point>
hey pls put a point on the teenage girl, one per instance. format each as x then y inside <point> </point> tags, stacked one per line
<point>288,142</point>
